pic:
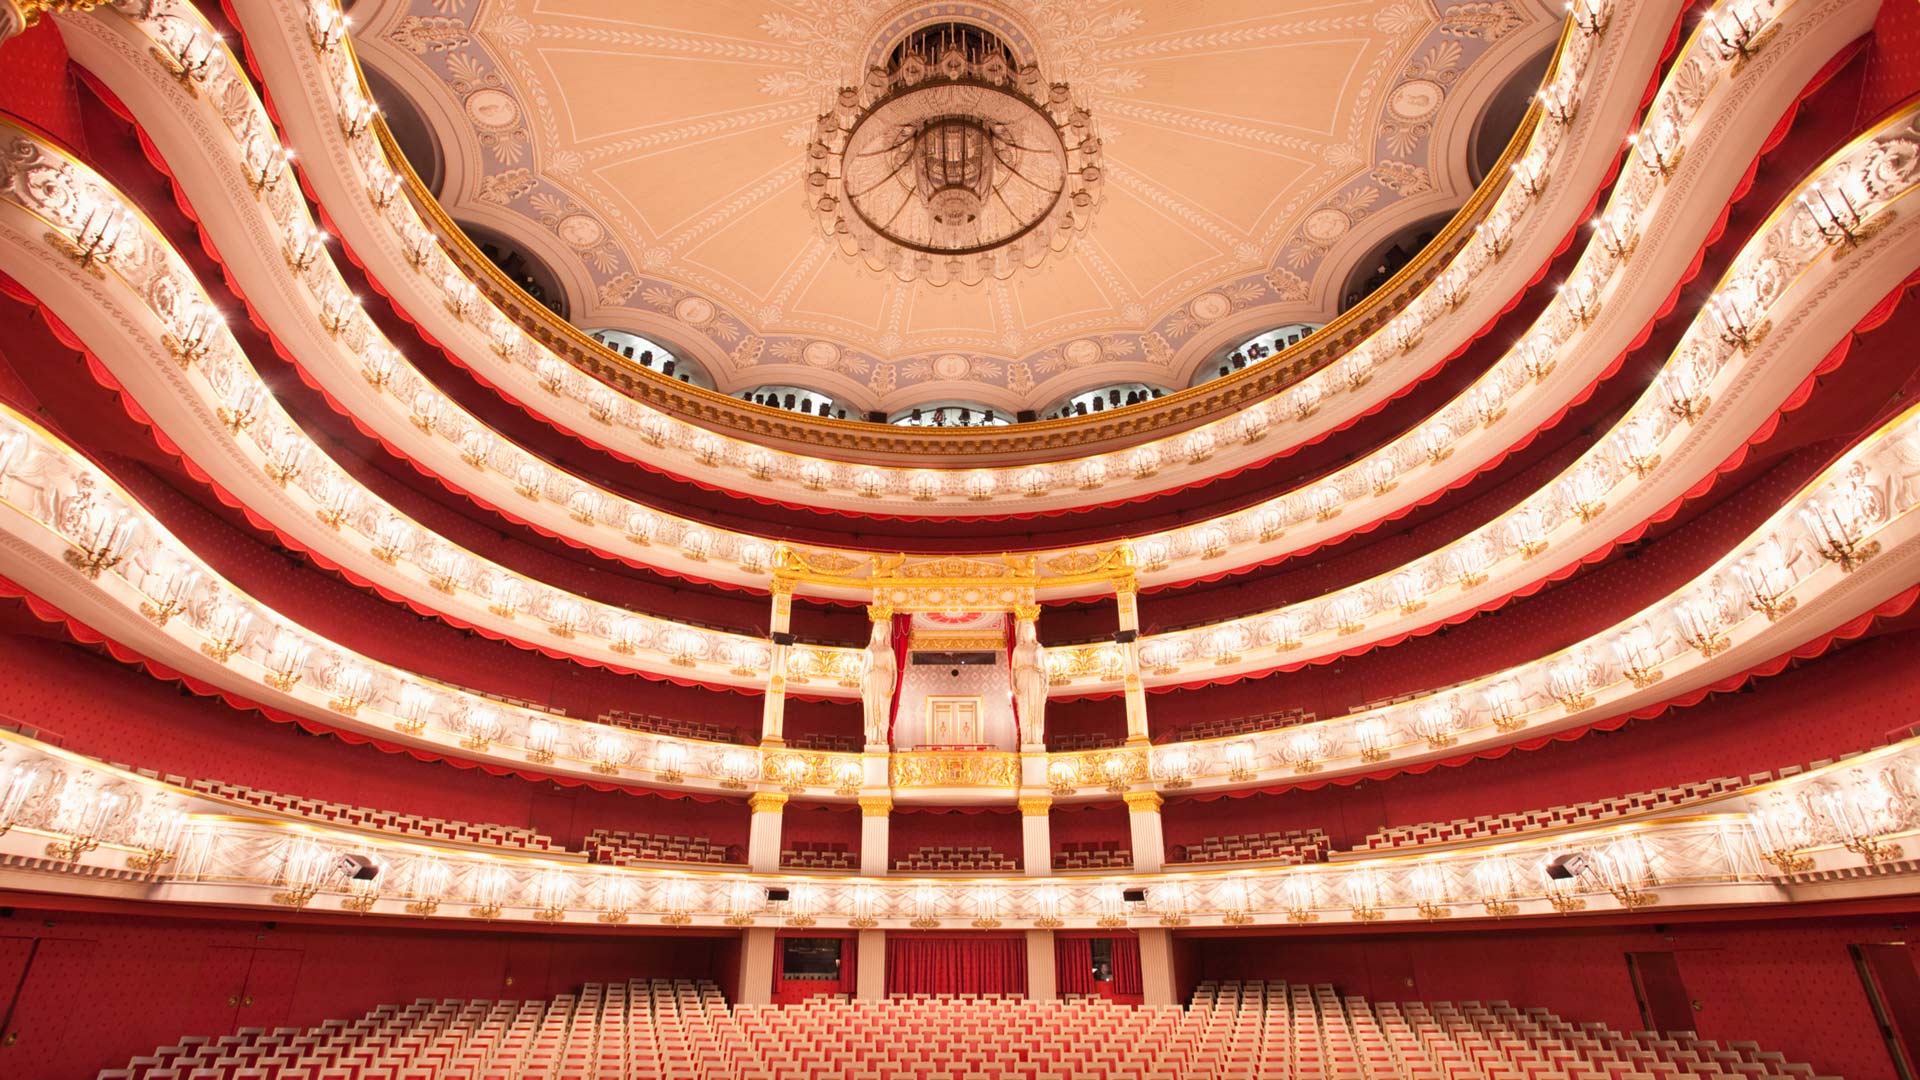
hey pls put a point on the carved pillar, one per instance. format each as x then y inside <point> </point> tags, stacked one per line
<point>763,837</point>
<point>1126,595</point>
<point>1042,982</point>
<point>757,957</point>
<point>875,818</point>
<point>1143,823</point>
<point>1036,835</point>
<point>773,710</point>
<point>870,959</point>
<point>1030,696</point>
<point>1156,966</point>
<point>880,680</point>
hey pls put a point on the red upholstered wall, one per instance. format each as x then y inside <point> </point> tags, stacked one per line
<point>1790,986</point>
<point>911,829</point>
<point>1893,59</point>
<point>1097,716</point>
<point>821,823</point>
<point>1846,701</point>
<point>101,989</point>
<point>117,713</point>
<point>37,87</point>
<point>1084,823</point>
<point>823,717</point>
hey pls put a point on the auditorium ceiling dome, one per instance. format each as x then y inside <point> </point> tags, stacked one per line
<point>900,204</point>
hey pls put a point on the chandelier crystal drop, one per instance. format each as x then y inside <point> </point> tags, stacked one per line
<point>954,162</point>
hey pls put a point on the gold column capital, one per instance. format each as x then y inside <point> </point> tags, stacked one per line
<point>876,805</point>
<point>1026,612</point>
<point>879,612</point>
<point>782,585</point>
<point>767,802</point>
<point>1144,802</point>
<point>1036,805</point>
<point>1126,584</point>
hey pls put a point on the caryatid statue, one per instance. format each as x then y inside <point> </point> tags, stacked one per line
<point>1030,682</point>
<point>876,682</point>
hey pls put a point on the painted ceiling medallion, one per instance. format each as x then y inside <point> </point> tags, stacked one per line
<point>953,162</point>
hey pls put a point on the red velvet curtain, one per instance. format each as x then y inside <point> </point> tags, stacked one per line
<point>1126,966</point>
<point>956,965</point>
<point>1013,688</point>
<point>902,637</point>
<point>1073,965</point>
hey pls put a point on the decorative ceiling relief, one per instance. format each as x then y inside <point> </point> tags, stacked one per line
<point>1243,154</point>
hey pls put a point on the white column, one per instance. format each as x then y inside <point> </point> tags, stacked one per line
<point>763,836</point>
<point>1036,835</point>
<point>1126,597</point>
<point>1041,982</point>
<point>875,819</point>
<point>1156,966</point>
<point>756,966</point>
<point>870,978</point>
<point>1143,825</point>
<point>773,709</point>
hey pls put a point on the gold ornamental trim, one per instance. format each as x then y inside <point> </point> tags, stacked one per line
<point>966,768</point>
<point>1036,806</point>
<point>767,802</point>
<point>956,641</point>
<point>1062,439</point>
<point>1143,802</point>
<point>876,805</point>
<point>907,583</point>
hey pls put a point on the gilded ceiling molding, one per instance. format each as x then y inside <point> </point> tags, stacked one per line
<point>1394,151</point>
<point>821,480</point>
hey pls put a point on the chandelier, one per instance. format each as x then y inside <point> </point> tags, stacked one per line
<point>952,162</point>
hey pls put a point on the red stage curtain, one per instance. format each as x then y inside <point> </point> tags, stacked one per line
<point>1073,966</point>
<point>956,965</point>
<point>1126,966</point>
<point>902,637</point>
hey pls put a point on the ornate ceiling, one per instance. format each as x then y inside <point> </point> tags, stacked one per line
<point>653,155</point>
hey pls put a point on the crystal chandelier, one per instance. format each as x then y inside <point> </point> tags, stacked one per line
<point>953,162</point>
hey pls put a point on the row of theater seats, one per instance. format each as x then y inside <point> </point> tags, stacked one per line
<point>826,743</point>
<point>683,1030</point>
<point>1092,855</point>
<point>1085,740</point>
<point>1217,728</point>
<point>620,847</point>
<point>572,1037</point>
<point>1556,817</point>
<point>819,855</point>
<point>521,703</point>
<point>671,726</point>
<point>1292,846</point>
<point>367,817</point>
<point>945,858</point>
<point>1224,727</point>
<point>1314,1032</point>
<point>1599,810</point>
